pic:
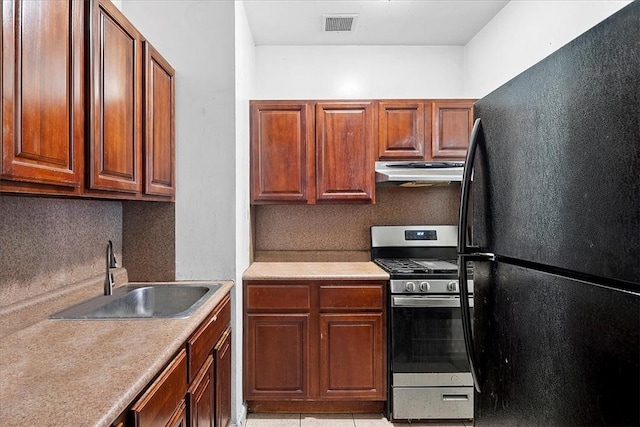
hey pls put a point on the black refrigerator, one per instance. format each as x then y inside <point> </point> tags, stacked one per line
<point>550,221</point>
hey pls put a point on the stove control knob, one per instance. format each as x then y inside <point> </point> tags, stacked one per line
<point>425,286</point>
<point>410,287</point>
<point>452,286</point>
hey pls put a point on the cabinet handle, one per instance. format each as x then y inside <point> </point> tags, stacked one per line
<point>453,397</point>
<point>215,317</point>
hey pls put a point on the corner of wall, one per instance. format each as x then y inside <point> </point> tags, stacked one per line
<point>522,34</point>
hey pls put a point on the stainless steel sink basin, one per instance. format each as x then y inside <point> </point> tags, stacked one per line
<point>143,301</point>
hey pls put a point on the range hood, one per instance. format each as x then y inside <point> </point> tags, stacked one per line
<point>418,174</point>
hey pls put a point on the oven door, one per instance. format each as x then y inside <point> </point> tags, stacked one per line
<point>427,342</point>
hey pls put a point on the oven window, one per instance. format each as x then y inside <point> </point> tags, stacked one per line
<point>427,340</point>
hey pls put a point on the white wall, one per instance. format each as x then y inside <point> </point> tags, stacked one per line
<point>197,38</point>
<point>335,72</point>
<point>522,34</point>
<point>245,74</point>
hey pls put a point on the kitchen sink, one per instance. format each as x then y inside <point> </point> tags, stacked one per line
<point>143,301</point>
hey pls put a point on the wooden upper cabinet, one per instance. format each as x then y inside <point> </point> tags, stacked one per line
<point>115,146</point>
<point>159,127</point>
<point>282,152</point>
<point>42,92</point>
<point>402,133</point>
<point>424,130</point>
<point>452,123</point>
<point>345,157</point>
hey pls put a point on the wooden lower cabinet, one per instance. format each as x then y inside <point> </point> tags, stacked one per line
<point>320,348</point>
<point>159,404</point>
<point>179,417</point>
<point>194,390</point>
<point>200,396</point>
<point>277,356</point>
<point>222,376</point>
<point>352,356</point>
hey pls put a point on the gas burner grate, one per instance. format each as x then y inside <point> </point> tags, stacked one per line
<point>407,266</point>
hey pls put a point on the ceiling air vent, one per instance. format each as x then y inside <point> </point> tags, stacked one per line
<point>341,22</point>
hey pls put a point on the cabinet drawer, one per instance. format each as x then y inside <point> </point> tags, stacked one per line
<point>159,402</point>
<point>201,343</point>
<point>278,297</point>
<point>352,297</point>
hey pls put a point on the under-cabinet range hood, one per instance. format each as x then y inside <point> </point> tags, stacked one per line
<point>417,174</point>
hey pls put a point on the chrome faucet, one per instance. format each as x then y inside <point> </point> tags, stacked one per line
<point>109,281</point>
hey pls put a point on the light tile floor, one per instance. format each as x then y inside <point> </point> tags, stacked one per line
<point>339,420</point>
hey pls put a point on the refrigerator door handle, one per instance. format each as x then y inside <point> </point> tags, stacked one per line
<point>466,320</point>
<point>463,252</point>
<point>467,176</point>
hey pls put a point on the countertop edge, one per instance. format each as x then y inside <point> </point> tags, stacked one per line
<point>314,271</point>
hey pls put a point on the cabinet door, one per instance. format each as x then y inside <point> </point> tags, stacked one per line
<point>282,152</point>
<point>276,356</point>
<point>345,156</point>
<point>352,356</point>
<point>452,123</point>
<point>158,404</point>
<point>222,354</point>
<point>179,416</point>
<point>401,130</point>
<point>200,396</point>
<point>159,127</point>
<point>42,92</point>
<point>115,146</point>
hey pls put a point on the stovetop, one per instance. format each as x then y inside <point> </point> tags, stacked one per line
<point>419,258</point>
<point>399,266</point>
<point>407,268</point>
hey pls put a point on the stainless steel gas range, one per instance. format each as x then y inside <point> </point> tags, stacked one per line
<point>429,374</point>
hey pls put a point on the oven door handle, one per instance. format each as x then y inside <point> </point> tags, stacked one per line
<point>425,301</point>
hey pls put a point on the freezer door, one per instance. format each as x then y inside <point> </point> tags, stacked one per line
<point>556,178</point>
<point>554,351</point>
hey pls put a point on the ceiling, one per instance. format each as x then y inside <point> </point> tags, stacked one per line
<point>379,22</point>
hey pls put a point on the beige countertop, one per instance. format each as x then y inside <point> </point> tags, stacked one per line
<point>314,271</point>
<point>85,372</point>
